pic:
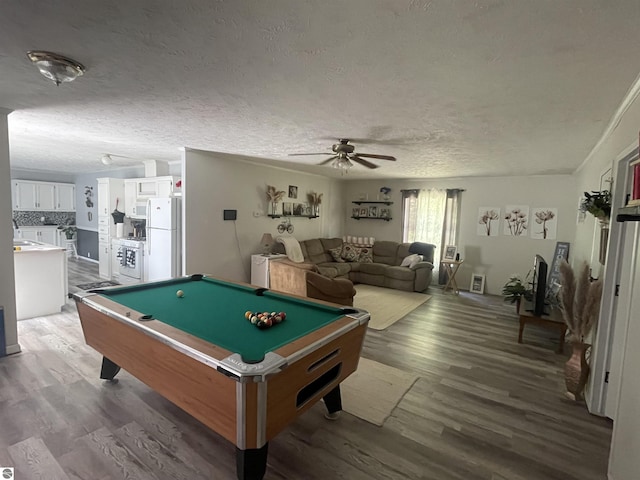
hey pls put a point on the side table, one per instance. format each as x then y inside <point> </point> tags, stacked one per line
<point>554,321</point>
<point>451,267</point>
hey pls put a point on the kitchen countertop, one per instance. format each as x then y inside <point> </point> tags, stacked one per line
<point>23,246</point>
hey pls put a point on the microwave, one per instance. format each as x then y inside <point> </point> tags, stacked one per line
<point>139,210</point>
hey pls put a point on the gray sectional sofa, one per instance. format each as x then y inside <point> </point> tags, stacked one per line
<point>380,266</point>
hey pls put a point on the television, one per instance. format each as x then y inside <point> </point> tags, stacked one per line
<point>539,286</point>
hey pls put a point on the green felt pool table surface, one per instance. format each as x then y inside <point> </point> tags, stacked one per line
<point>214,310</point>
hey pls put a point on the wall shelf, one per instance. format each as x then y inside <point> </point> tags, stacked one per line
<point>386,219</point>
<point>383,202</point>
<point>292,216</point>
<point>628,214</point>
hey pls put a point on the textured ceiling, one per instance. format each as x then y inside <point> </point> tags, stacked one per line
<point>449,87</point>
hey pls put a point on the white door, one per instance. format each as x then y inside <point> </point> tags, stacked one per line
<point>160,247</point>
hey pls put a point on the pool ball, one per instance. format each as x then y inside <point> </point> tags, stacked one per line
<point>283,315</point>
<point>248,315</point>
<point>180,293</point>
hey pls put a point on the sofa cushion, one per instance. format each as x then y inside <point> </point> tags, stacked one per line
<point>350,253</point>
<point>330,272</point>
<point>336,254</point>
<point>342,268</point>
<point>316,252</point>
<point>374,268</point>
<point>329,243</point>
<point>400,273</point>
<point>385,252</point>
<point>366,255</point>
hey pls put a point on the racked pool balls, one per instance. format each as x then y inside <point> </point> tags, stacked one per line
<point>264,320</point>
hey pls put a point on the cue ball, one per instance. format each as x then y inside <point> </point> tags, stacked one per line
<point>180,293</point>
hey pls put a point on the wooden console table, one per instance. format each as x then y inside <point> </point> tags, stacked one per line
<point>554,321</point>
<point>451,267</point>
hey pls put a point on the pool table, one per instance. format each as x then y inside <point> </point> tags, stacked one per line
<point>200,352</point>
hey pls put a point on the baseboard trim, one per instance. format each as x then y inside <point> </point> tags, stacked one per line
<point>87,259</point>
<point>15,348</point>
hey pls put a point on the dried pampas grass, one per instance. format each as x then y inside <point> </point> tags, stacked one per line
<point>579,300</point>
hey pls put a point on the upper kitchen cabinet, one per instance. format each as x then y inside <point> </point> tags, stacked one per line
<point>65,197</point>
<point>43,196</point>
<point>138,190</point>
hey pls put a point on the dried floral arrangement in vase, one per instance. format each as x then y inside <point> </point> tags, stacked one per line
<point>274,196</point>
<point>315,199</point>
<point>580,304</point>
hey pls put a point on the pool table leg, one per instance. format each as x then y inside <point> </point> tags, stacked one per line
<point>109,369</point>
<point>333,402</point>
<point>251,464</point>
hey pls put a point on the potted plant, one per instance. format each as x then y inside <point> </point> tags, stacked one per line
<point>68,230</point>
<point>597,204</point>
<point>516,288</point>
<point>580,304</point>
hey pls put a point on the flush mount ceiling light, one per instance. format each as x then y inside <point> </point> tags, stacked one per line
<point>55,67</point>
<point>106,159</point>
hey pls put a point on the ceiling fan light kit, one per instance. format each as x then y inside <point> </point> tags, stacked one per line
<point>55,67</point>
<point>345,155</point>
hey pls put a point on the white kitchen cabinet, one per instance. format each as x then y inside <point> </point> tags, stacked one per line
<point>104,260</point>
<point>166,186</point>
<point>110,195</point>
<point>43,234</point>
<point>43,196</point>
<point>65,197</point>
<point>130,196</point>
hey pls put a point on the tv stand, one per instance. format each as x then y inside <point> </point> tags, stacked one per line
<point>551,320</point>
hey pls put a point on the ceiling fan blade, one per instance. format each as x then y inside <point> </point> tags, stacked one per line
<point>298,154</point>
<point>362,161</point>
<point>380,157</point>
<point>328,160</point>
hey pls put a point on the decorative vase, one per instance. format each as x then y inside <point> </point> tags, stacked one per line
<point>274,208</point>
<point>576,371</point>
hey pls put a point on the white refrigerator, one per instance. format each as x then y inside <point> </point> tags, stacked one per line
<point>163,246</point>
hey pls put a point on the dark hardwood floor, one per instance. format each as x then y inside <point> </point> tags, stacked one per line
<point>484,407</point>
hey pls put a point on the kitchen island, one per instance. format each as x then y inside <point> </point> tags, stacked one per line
<point>41,278</point>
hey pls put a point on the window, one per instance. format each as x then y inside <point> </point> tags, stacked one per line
<point>431,216</point>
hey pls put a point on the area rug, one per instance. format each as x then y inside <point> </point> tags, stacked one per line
<point>374,390</point>
<point>386,305</point>
<point>91,286</point>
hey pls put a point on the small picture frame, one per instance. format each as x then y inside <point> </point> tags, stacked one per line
<point>373,211</point>
<point>287,208</point>
<point>355,212</point>
<point>450,252</point>
<point>385,212</point>
<point>477,283</point>
<point>298,209</point>
<point>364,212</point>
<point>293,191</point>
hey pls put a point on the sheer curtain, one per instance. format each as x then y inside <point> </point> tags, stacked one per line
<point>423,219</point>
<point>450,227</point>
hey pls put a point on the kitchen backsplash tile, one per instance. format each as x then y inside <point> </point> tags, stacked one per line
<point>34,219</point>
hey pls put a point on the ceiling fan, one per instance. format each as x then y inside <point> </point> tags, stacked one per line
<point>345,154</point>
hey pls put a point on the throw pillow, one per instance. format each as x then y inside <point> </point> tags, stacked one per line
<point>366,255</point>
<point>336,253</point>
<point>407,260</point>
<point>350,253</point>
<point>415,261</point>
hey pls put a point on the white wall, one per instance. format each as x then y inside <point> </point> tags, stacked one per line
<point>7,285</point>
<point>213,182</point>
<point>624,463</point>
<point>496,257</point>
